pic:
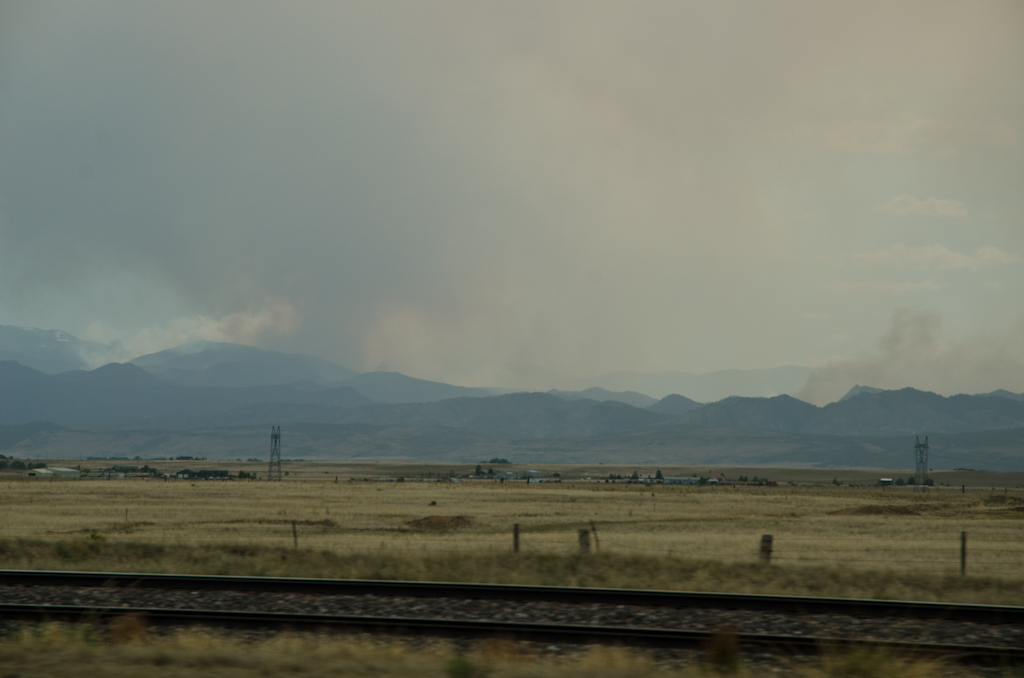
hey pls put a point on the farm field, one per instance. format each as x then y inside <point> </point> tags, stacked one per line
<point>827,540</point>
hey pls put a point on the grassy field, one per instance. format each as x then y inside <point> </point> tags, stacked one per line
<point>828,540</point>
<point>127,649</point>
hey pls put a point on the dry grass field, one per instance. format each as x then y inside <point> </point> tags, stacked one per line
<point>86,652</point>
<point>828,540</point>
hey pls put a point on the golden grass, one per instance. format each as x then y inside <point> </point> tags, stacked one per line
<point>835,541</point>
<point>88,652</point>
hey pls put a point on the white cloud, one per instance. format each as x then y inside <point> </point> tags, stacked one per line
<point>991,255</point>
<point>934,258</point>
<point>880,287</point>
<point>932,207</point>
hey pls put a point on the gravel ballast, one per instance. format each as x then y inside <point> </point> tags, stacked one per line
<point>740,621</point>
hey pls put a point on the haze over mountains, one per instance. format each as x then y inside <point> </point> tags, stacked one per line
<point>214,364</point>
<point>53,351</point>
<point>163,399</point>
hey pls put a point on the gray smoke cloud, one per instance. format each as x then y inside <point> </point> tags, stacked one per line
<point>913,353</point>
<point>476,192</point>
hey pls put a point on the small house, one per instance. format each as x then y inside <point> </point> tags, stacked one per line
<point>187,474</point>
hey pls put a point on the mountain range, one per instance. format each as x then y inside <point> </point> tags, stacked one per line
<point>53,351</point>
<point>215,364</point>
<point>118,391</point>
<point>120,396</point>
<point>710,386</point>
<point>210,389</point>
<point>209,363</point>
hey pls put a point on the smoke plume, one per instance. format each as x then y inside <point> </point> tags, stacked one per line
<point>913,353</point>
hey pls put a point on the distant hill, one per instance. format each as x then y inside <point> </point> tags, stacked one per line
<point>52,351</point>
<point>120,391</point>
<point>601,395</point>
<point>904,412</point>
<point>857,390</point>
<point>516,416</point>
<point>710,386</point>
<point>208,363</point>
<point>1003,393</point>
<point>394,387</point>
<point>909,411</point>
<point>675,405</point>
<point>781,413</point>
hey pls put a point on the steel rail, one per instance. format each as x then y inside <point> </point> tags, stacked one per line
<point>990,614</point>
<point>482,629</point>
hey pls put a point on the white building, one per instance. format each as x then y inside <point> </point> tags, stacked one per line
<point>683,481</point>
<point>55,472</point>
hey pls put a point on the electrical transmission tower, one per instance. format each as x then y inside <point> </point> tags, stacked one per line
<point>921,463</point>
<point>275,453</point>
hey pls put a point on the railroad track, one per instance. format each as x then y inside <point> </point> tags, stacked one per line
<point>542,632</point>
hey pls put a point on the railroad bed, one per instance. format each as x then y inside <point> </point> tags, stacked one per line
<point>653,618</point>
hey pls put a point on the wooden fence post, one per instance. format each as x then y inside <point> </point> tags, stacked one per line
<point>766,548</point>
<point>963,553</point>
<point>295,535</point>
<point>584,540</point>
<point>515,538</point>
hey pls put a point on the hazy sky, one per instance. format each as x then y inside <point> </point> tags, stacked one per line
<point>461,190</point>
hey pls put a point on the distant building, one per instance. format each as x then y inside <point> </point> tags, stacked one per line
<point>55,472</point>
<point>530,474</point>
<point>206,474</point>
<point>187,474</point>
<point>885,482</point>
<point>683,481</point>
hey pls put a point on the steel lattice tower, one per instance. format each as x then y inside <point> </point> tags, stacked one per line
<point>921,462</point>
<point>275,454</point>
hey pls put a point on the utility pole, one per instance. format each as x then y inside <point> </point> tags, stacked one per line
<point>275,454</point>
<point>920,463</point>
